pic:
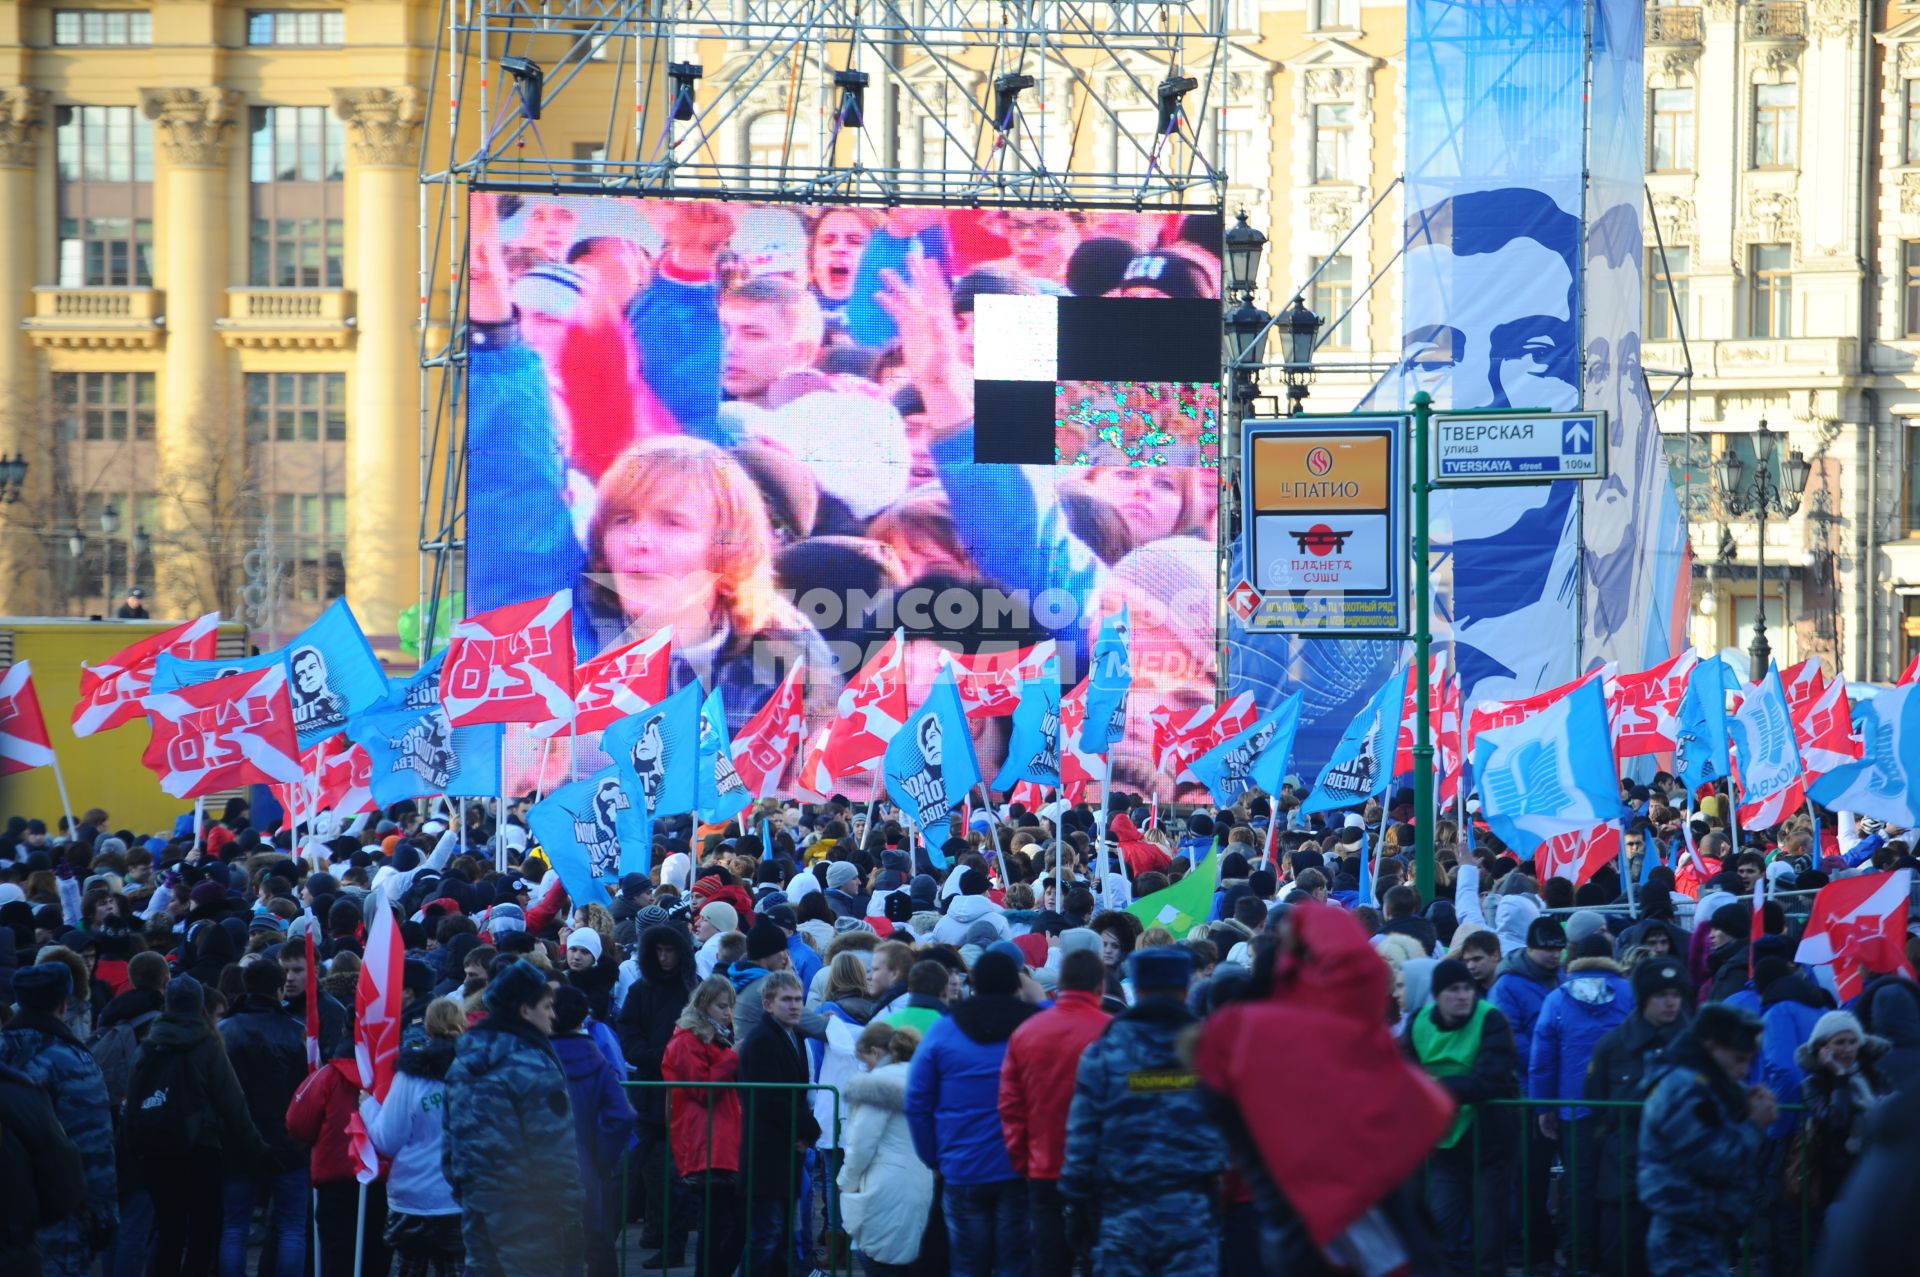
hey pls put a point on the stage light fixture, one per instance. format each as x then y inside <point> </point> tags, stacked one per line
<point>528,80</point>
<point>684,75</point>
<point>852,112</point>
<point>1006,92</point>
<point>1172,90</point>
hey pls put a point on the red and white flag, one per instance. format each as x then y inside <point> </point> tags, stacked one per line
<point>1443,713</point>
<point>1645,707</point>
<point>1491,714</point>
<point>223,734</point>
<point>1578,856</point>
<point>1822,718</point>
<point>1911,674</point>
<point>618,683</point>
<point>1178,741</point>
<point>989,682</point>
<point>299,800</point>
<point>1077,770</point>
<point>872,707</point>
<point>1856,923</point>
<point>313,1005</point>
<point>812,783</point>
<point>24,743</point>
<point>511,665</point>
<point>764,747</point>
<point>1758,927</point>
<point>346,779</point>
<point>111,692</point>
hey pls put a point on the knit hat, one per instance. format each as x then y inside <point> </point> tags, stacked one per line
<point>1583,924</point>
<point>1656,976</point>
<point>1074,939</point>
<point>549,289</point>
<point>1009,948</point>
<point>207,893</point>
<point>1448,972</point>
<point>654,916</point>
<point>517,986</point>
<point>585,938</point>
<point>185,994</point>
<point>841,874</point>
<point>1726,1025</point>
<point>43,987</point>
<point>1097,266</point>
<point>1832,1025</point>
<point>1162,967</point>
<point>570,1009</point>
<point>1168,273</point>
<point>1543,933</point>
<point>1734,919</point>
<point>995,973</point>
<point>765,940</point>
<point>722,915</point>
<point>635,885</point>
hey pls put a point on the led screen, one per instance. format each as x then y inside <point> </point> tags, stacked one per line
<point>787,431</point>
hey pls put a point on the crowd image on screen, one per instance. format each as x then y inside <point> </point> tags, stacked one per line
<point>755,423</point>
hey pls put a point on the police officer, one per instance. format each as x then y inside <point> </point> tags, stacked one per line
<point>1140,1144</point>
<point>1700,1139</point>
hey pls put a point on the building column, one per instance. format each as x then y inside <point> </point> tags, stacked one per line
<point>383,461</point>
<point>200,447</point>
<point>23,419</point>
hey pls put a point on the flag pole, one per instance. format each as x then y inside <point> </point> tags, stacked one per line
<point>1626,870</point>
<point>1100,827</point>
<point>1273,828</point>
<point>500,826</point>
<point>540,779</point>
<point>360,1232</point>
<point>573,743</point>
<point>66,804</point>
<point>1733,822</point>
<point>199,816</point>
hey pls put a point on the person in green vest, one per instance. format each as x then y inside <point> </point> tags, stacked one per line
<point>1467,1045</point>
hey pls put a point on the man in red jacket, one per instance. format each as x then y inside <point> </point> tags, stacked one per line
<point>1036,1089</point>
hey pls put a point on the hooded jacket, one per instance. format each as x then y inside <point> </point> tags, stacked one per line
<point>1590,1003</point>
<point>1518,992</point>
<point>886,1191</point>
<point>228,1126</point>
<point>268,1048</point>
<point>1890,1007</point>
<point>964,912</point>
<point>1325,1016</point>
<point>953,1092</point>
<point>705,1120</point>
<point>1037,1078</point>
<point>410,1127</point>
<point>1789,1009</point>
<point>317,1117</point>
<point>509,1126</point>
<point>603,1120</point>
<point>1837,1112</point>
<point>648,1014</point>
<point>41,1179</point>
<point>44,1049</point>
<point>1140,855</point>
<point>1699,1155</point>
<point>1619,1069</point>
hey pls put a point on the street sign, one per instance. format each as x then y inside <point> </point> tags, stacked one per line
<point>1324,537</point>
<point>1470,449</point>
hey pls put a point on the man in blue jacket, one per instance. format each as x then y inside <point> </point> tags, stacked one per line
<point>1526,977</point>
<point>953,1110</point>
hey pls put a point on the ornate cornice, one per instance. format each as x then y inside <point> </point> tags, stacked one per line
<point>383,125</point>
<point>22,111</point>
<point>196,124</point>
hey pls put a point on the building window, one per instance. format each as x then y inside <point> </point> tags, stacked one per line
<point>298,197</point>
<point>1909,628</point>
<point>1910,286</point>
<point>1776,125</point>
<point>1670,127</point>
<point>104,198</point>
<point>1910,117</point>
<point>591,152</point>
<point>766,140</point>
<point>1666,312</point>
<point>1336,15</point>
<point>296,26</point>
<point>1770,283</point>
<point>102,26</point>
<point>105,407</point>
<point>1910,507</point>
<point>1332,142</point>
<point>297,407</point>
<point>106,568</point>
<point>1332,294</point>
<point>311,529</point>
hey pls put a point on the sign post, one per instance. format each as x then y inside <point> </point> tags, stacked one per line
<point>1504,446</point>
<point>1425,816</point>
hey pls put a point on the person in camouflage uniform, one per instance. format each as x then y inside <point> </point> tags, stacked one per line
<point>1700,1140</point>
<point>508,1151</point>
<point>39,1044</point>
<point>1141,1144</point>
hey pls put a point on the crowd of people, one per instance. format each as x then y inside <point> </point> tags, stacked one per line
<point>847,1046</point>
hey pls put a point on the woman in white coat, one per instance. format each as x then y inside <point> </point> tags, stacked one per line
<point>423,1220</point>
<point>886,1191</point>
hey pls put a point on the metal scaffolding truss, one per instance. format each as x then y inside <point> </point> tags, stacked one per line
<point>1055,103</point>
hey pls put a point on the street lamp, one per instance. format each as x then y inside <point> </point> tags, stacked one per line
<point>1246,350</point>
<point>1245,244</point>
<point>1297,327</point>
<point>1758,498</point>
<point>110,519</point>
<point>109,528</point>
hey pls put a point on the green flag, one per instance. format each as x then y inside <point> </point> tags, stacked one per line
<point>1184,905</point>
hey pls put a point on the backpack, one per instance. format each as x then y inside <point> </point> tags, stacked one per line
<point>166,1105</point>
<point>113,1049</point>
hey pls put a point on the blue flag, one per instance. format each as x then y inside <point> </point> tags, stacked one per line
<point>419,689</point>
<point>1885,783</point>
<point>592,832</point>
<point>1227,770</point>
<point>930,763</point>
<point>722,794</point>
<point>1700,730</point>
<point>1107,686</point>
<point>1033,753</point>
<point>1362,763</point>
<point>414,751</point>
<point>332,673</point>
<point>1550,774</point>
<point>1270,767</point>
<point>657,753</point>
<point>1762,733</point>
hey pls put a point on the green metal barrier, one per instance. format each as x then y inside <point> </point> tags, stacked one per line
<point>1598,1235</point>
<point>717,1207</point>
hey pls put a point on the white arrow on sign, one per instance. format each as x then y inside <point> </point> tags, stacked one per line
<point>1578,436</point>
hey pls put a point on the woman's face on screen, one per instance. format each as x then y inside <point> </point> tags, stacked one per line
<point>661,554</point>
<point>1149,498</point>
